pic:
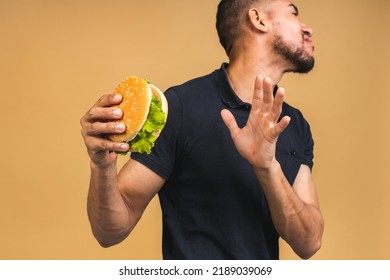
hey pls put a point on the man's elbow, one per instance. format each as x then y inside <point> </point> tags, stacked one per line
<point>309,250</point>
<point>107,240</point>
<point>308,246</point>
<point>105,244</point>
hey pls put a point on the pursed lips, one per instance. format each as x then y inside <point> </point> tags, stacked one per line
<point>308,41</point>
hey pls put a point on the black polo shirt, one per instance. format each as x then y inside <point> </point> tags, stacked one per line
<point>212,204</point>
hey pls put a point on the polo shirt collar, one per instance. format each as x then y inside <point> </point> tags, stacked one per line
<point>226,92</point>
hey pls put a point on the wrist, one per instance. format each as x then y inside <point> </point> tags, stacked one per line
<point>269,167</point>
<point>267,171</point>
<point>103,168</point>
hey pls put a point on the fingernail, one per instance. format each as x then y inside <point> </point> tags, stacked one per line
<point>120,127</point>
<point>117,112</point>
<point>124,147</point>
<point>117,97</point>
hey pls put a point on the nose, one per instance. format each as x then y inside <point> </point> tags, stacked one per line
<point>307,30</point>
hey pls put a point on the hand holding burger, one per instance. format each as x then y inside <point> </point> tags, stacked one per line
<point>145,111</point>
<point>130,119</point>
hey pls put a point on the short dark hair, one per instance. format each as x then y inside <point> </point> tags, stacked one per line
<point>229,16</point>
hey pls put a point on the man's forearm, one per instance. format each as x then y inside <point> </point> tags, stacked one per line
<point>107,211</point>
<point>297,222</point>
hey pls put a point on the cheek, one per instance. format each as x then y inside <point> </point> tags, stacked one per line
<point>289,31</point>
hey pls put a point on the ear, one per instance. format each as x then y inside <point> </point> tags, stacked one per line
<point>257,20</point>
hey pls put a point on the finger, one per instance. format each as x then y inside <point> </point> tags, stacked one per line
<point>268,97</point>
<point>109,100</point>
<point>257,101</point>
<point>98,128</point>
<point>277,105</point>
<point>281,126</point>
<point>99,113</point>
<point>95,145</point>
<point>230,122</point>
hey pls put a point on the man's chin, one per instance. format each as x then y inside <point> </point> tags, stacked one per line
<point>304,66</point>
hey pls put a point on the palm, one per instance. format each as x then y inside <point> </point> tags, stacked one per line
<point>257,140</point>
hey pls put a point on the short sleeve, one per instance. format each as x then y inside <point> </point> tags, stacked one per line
<point>295,145</point>
<point>166,149</point>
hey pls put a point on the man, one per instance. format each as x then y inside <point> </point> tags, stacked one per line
<point>232,167</point>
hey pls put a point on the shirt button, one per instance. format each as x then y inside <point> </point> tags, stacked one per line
<point>293,153</point>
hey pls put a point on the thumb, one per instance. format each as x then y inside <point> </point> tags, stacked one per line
<point>230,122</point>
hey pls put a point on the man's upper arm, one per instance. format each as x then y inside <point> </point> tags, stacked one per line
<point>138,185</point>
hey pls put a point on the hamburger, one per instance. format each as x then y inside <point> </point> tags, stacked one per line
<point>145,111</point>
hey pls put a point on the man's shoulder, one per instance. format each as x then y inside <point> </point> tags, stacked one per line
<point>291,111</point>
<point>194,92</point>
<point>199,82</point>
<point>298,120</point>
<point>298,123</point>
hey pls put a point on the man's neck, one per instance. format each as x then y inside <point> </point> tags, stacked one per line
<point>243,72</point>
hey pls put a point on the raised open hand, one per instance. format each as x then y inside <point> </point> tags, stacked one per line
<point>257,140</point>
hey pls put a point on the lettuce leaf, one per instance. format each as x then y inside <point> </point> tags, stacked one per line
<point>144,141</point>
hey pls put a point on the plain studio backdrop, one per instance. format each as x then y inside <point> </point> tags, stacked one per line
<point>58,57</point>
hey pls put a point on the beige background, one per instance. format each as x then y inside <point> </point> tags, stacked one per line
<point>58,57</point>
